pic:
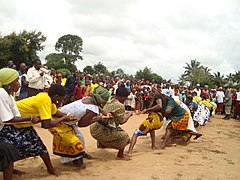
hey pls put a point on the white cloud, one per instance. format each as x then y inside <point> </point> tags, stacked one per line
<point>161,35</point>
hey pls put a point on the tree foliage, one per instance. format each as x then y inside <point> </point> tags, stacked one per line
<point>100,69</point>
<point>147,74</point>
<point>70,47</point>
<point>21,47</point>
<point>88,70</point>
<point>59,61</point>
<point>195,73</point>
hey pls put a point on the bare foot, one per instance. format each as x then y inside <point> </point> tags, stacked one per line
<point>172,145</point>
<point>87,156</point>
<point>154,147</point>
<point>54,172</point>
<point>18,172</point>
<point>162,146</point>
<point>83,166</point>
<point>79,163</point>
<point>197,136</point>
<point>128,154</point>
<point>124,158</point>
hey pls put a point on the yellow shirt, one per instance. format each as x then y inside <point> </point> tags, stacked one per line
<point>39,105</point>
<point>92,87</point>
<point>197,100</point>
<point>207,104</point>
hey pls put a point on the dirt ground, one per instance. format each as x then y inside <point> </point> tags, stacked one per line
<point>215,155</point>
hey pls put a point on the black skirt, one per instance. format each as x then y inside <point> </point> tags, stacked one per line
<point>8,154</point>
<point>26,140</point>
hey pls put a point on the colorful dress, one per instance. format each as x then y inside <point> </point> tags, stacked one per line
<point>78,109</point>
<point>106,136</point>
<point>154,120</point>
<point>183,123</point>
<point>65,141</point>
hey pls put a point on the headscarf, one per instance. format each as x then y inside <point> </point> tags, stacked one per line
<point>100,95</point>
<point>7,75</point>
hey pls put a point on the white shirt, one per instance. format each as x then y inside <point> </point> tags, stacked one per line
<point>8,107</point>
<point>78,109</point>
<point>220,96</point>
<point>197,91</point>
<point>238,96</point>
<point>35,80</point>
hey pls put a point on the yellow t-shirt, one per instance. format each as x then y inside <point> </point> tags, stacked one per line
<point>92,87</point>
<point>39,105</point>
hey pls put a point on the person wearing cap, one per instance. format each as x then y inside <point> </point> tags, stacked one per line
<point>227,102</point>
<point>220,100</point>
<point>107,131</point>
<point>86,111</point>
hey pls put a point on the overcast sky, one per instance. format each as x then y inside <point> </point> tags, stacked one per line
<point>134,34</point>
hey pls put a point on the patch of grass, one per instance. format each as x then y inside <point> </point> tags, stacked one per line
<point>155,178</point>
<point>229,161</point>
<point>179,176</point>
<point>232,134</point>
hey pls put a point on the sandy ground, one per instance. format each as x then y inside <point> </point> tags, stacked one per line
<point>216,155</point>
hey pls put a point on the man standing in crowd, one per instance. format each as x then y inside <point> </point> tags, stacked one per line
<point>198,90</point>
<point>205,92</point>
<point>70,86</point>
<point>219,98</point>
<point>227,102</point>
<point>24,82</point>
<point>36,79</point>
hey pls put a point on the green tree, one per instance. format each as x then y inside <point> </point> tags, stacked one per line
<point>218,79</point>
<point>236,77</point>
<point>69,48</point>
<point>195,73</point>
<point>156,78</point>
<point>71,45</point>
<point>21,47</point>
<point>59,61</point>
<point>120,73</point>
<point>100,69</point>
<point>55,60</point>
<point>88,70</point>
<point>146,74</point>
<point>230,78</point>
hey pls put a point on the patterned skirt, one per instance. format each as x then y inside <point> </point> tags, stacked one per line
<point>109,138</point>
<point>66,142</point>
<point>154,121</point>
<point>182,124</point>
<point>180,128</point>
<point>26,140</point>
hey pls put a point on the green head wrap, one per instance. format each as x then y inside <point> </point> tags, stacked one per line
<point>100,95</point>
<point>7,75</point>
